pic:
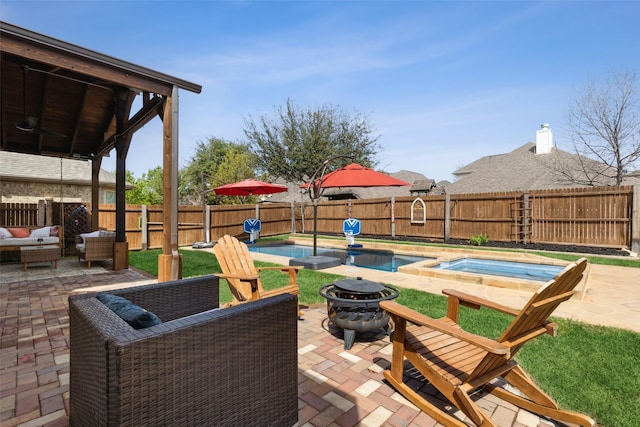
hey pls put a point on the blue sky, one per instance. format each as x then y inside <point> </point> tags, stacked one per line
<point>442,83</point>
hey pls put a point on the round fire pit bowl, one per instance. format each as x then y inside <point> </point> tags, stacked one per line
<point>354,306</point>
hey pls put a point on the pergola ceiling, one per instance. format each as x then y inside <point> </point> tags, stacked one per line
<point>62,100</point>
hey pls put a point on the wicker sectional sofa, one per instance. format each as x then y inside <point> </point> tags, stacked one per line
<point>202,366</point>
<point>30,235</point>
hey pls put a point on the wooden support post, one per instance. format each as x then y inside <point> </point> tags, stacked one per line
<point>120,255</point>
<point>95,192</point>
<point>166,264</point>
<point>170,262</point>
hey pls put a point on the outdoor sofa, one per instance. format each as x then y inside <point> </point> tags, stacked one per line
<point>201,366</point>
<point>14,238</point>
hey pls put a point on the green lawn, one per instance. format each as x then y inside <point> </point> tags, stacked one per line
<point>589,369</point>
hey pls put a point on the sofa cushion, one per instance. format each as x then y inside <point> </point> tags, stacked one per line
<point>136,316</point>
<point>92,234</point>
<point>107,233</point>
<point>19,232</point>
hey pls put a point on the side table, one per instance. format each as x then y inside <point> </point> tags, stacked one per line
<point>39,254</point>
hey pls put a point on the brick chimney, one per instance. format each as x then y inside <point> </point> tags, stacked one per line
<point>544,139</point>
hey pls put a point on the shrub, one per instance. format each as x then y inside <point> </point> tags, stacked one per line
<point>479,240</point>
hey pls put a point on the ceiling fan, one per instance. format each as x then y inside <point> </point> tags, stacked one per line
<point>30,123</point>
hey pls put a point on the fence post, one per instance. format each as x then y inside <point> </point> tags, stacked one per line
<point>144,228</point>
<point>207,223</point>
<point>49,207</point>
<point>526,218</point>
<point>447,217</point>
<point>393,217</point>
<point>41,213</point>
<point>635,220</point>
<point>293,218</point>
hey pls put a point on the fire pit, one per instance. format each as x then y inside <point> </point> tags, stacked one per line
<point>353,305</point>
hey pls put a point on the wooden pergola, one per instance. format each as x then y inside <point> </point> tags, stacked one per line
<point>62,100</point>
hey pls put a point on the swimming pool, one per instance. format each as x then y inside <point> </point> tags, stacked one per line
<point>374,259</point>
<point>518,270</point>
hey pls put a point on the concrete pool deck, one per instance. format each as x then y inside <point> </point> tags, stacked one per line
<point>608,296</point>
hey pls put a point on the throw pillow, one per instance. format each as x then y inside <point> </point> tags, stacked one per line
<point>53,231</point>
<point>4,233</point>
<point>40,232</point>
<point>20,233</point>
<point>136,316</point>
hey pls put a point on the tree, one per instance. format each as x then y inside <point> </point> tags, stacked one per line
<point>604,124</point>
<point>296,142</point>
<point>216,162</point>
<point>147,190</point>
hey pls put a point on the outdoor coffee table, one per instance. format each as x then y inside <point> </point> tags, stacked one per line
<point>39,254</point>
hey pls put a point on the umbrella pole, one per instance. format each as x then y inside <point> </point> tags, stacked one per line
<point>315,226</point>
<point>315,190</point>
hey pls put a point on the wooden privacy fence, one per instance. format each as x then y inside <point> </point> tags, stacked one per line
<point>606,216</point>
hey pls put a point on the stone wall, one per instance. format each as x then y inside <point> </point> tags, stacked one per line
<point>31,192</point>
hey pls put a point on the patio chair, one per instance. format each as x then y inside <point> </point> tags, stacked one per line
<point>202,366</point>
<point>95,246</point>
<point>243,277</point>
<point>457,363</point>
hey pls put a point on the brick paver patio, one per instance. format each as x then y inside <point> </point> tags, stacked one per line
<point>336,387</point>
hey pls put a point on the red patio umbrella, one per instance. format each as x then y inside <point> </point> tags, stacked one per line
<point>249,187</point>
<point>351,175</point>
<point>355,175</point>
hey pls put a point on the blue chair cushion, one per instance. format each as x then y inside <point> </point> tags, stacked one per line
<point>134,315</point>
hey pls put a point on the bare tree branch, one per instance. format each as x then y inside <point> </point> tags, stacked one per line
<point>604,122</point>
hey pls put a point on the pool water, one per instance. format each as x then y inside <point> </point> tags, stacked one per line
<point>519,270</point>
<point>377,260</point>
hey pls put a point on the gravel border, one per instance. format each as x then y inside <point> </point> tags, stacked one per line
<point>550,247</point>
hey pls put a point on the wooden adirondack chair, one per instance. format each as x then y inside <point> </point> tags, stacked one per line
<point>242,275</point>
<point>457,362</point>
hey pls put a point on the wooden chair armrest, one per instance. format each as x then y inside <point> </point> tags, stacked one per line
<point>292,270</point>
<point>243,277</point>
<point>283,268</point>
<point>242,294</point>
<point>417,318</point>
<point>457,298</point>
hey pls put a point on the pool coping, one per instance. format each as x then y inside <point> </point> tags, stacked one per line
<point>423,268</point>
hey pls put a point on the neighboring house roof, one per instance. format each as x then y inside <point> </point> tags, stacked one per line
<point>422,186</point>
<point>34,168</point>
<point>297,194</point>
<point>520,170</point>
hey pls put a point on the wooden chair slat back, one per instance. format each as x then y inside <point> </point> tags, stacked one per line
<point>544,302</point>
<point>533,318</point>
<point>234,258</point>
